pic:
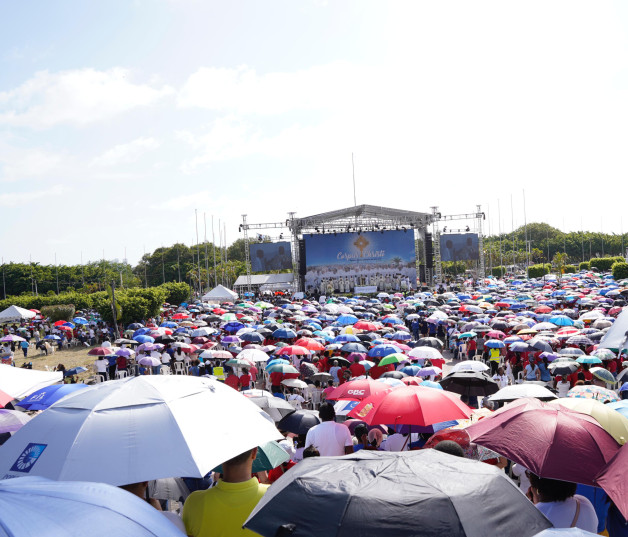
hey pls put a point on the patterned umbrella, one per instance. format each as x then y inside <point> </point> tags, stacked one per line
<point>603,374</point>
<point>579,340</point>
<point>593,392</point>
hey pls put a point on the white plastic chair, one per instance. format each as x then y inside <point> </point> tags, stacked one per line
<point>179,368</point>
<point>165,370</point>
<point>121,374</point>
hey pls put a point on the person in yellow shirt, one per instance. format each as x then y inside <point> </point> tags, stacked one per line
<point>220,511</point>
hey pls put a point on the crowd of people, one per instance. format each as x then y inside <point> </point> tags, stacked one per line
<point>541,332</point>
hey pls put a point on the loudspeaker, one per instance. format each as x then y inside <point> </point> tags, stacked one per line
<point>302,262</point>
<point>422,272</point>
<point>429,251</point>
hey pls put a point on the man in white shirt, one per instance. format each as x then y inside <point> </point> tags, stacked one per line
<point>501,378</point>
<point>331,439</point>
<point>296,399</point>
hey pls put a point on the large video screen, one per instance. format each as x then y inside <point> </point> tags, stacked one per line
<point>341,262</point>
<point>266,256</point>
<point>459,247</point>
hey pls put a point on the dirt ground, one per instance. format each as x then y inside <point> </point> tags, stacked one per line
<point>73,357</point>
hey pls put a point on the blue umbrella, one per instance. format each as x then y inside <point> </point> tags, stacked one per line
<point>284,333</point>
<point>30,504</point>
<point>144,339</point>
<point>412,370</point>
<point>50,336</point>
<point>494,344</point>
<point>252,337</point>
<point>140,332</point>
<point>561,320</point>
<point>346,338</point>
<point>74,371</point>
<point>233,326</point>
<point>431,384</point>
<point>520,346</point>
<point>344,320</point>
<point>42,399</point>
<point>620,406</point>
<point>135,326</point>
<point>353,347</point>
<point>80,320</point>
<point>169,324</point>
<point>379,351</point>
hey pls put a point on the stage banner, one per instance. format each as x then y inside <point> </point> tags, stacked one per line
<point>459,247</point>
<point>267,256</point>
<point>337,263</point>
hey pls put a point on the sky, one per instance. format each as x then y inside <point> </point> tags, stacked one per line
<point>121,120</point>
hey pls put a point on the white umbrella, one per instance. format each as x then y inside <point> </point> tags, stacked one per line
<point>425,353</point>
<point>18,382</point>
<point>517,391</point>
<point>255,355</point>
<point>137,429</point>
<point>469,365</point>
<point>37,506</point>
<point>294,383</point>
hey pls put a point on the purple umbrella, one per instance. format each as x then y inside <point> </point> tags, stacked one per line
<point>551,441</point>
<point>12,420</point>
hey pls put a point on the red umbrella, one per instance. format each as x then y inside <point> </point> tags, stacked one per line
<point>551,441</point>
<point>59,323</point>
<point>543,309</point>
<point>357,390</point>
<point>293,350</point>
<point>309,343</point>
<point>411,405</point>
<point>366,325</point>
<point>613,480</point>
<point>100,351</point>
<point>502,305</point>
<point>180,316</point>
<point>5,398</point>
<point>209,345</point>
<point>412,381</point>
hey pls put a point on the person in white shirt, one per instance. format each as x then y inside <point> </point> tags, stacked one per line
<point>501,378</point>
<point>331,439</point>
<point>295,399</point>
<point>562,386</point>
<point>102,365</point>
<point>397,442</point>
<point>558,501</point>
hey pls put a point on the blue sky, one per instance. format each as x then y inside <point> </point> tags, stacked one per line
<point>119,119</point>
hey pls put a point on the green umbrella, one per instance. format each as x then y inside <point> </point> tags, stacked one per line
<point>394,358</point>
<point>238,362</point>
<point>269,456</point>
<point>588,360</point>
<point>281,368</point>
<point>467,334</point>
<point>603,374</point>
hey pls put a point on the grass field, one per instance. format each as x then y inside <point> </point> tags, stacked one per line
<point>74,357</point>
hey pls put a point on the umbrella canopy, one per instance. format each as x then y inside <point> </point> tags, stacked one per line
<point>551,441</point>
<point>133,426</point>
<point>269,456</point>
<point>12,420</point>
<point>371,494</point>
<point>470,383</point>
<point>357,390</point>
<point>613,480</point>
<point>42,399</point>
<point>469,365</point>
<point>518,391</point>
<point>610,420</point>
<point>18,382</point>
<point>299,422</point>
<point>411,405</point>
<point>275,407</point>
<point>593,392</point>
<point>38,506</point>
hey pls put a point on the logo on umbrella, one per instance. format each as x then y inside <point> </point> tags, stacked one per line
<point>367,408</point>
<point>28,457</point>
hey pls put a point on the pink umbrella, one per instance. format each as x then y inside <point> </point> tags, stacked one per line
<point>551,441</point>
<point>613,480</point>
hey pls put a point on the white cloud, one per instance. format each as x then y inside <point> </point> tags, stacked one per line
<point>125,153</point>
<point>9,199</point>
<point>76,97</point>
<point>244,91</point>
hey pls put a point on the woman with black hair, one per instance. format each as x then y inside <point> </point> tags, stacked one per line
<point>558,501</point>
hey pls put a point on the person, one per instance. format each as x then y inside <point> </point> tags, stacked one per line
<point>24,346</point>
<point>330,388</point>
<point>330,438</point>
<point>222,510</point>
<point>544,374</point>
<point>494,357</point>
<point>102,364</point>
<point>333,371</point>
<point>450,447</point>
<point>296,399</point>
<point>310,452</point>
<point>356,368</point>
<point>139,490</point>
<point>471,348</point>
<point>245,379</point>
<point>232,380</point>
<point>531,371</point>
<point>558,501</point>
<point>562,385</point>
<point>500,377</point>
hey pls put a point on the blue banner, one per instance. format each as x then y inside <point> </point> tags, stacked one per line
<point>267,256</point>
<point>342,261</point>
<point>459,247</point>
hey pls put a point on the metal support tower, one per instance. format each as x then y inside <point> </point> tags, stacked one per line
<point>479,215</point>
<point>296,258</point>
<point>247,258</point>
<point>438,266</point>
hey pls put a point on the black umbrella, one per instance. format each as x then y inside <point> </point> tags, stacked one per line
<point>299,422</point>
<point>470,383</point>
<point>563,368</point>
<point>430,342</point>
<point>165,339</point>
<point>540,345</point>
<point>393,375</point>
<point>377,493</point>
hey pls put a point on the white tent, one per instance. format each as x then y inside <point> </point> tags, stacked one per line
<point>15,313</point>
<point>18,382</point>
<point>617,335</point>
<point>220,294</point>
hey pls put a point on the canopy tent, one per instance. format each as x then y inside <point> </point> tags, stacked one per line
<point>220,294</point>
<point>15,313</point>
<point>18,382</point>
<point>616,336</point>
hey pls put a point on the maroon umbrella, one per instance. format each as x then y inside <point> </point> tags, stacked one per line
<point>613,480</point>
<point>551,441</point>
